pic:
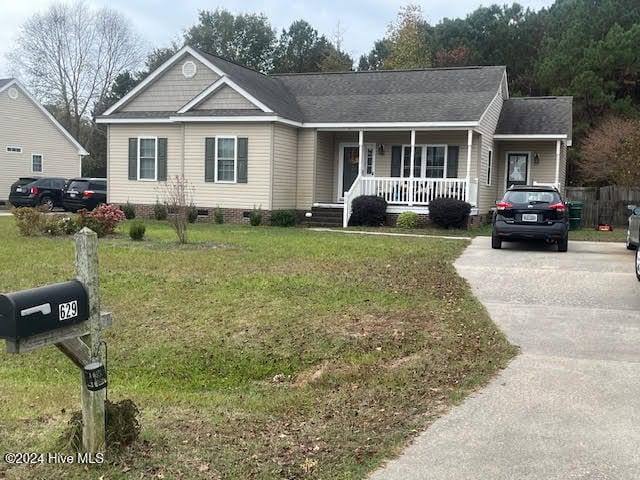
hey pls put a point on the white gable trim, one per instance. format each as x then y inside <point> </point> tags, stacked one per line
<point>222,81</point>
<point>158,71</point>
<point>541,136</point>
<point>52,119</point>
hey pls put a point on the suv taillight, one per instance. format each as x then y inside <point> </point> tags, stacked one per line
<point>558,207</point>
<point>35,190</point>
<point>504,205</point>
<point>88,194</point>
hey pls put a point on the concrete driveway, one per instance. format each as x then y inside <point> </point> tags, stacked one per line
<point>568,407</point>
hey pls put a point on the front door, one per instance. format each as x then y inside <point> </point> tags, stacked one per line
<point>350,159</point>
<point>517,167</point>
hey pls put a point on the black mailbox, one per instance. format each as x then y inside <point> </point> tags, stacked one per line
<point>37,310</point>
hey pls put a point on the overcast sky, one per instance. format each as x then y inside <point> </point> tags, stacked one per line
<point>159,22</point>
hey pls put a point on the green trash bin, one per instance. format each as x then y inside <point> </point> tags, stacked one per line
<point>575,215</point>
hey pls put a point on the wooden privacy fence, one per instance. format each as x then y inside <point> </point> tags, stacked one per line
<point>604,204</point>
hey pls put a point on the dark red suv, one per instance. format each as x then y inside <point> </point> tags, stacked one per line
<point>531,213</point>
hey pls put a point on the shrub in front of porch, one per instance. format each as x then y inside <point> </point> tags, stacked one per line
<point>449,212</point>
<point>368,211</point>
<point>408,220</point>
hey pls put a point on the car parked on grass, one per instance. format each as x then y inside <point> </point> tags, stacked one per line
<point>531,212</point>
<point>85,193</point>
<point>35,191</point>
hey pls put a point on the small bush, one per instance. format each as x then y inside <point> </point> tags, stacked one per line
<point>408,220</point>
<point>284,218</point>
<point>255,217</point>
<point>128,210</point>
<point>218,216</point>
<point>122,426</point>
<point>30,221</point>
<point>368,211</point>
<point>449,212</point>
<point>159,211</point>
<point>137,230</point>
<point>192,214</point>
<point>103,220</point>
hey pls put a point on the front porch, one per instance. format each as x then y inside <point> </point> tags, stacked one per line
<point>407,168</point>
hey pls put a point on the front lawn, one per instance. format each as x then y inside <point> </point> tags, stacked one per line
<point>254,352</point>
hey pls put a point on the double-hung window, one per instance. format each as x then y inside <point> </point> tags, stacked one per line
<point>147,158</point>
<point>226,159</point>
<point>429,161</point>
<point>36,163</point>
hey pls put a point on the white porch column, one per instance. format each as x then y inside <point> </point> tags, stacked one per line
<point>469,145</point>
<point>558,142</point>
<point>360,150</point>
<point>411,163</point>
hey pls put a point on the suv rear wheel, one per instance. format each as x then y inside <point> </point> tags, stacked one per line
<point>638,264</point>
<point>563,244</point>
<point>47,202</point>
<point>496,241</point>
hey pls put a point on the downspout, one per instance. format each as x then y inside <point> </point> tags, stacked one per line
<point>558,142</point>
<point>469,145</point>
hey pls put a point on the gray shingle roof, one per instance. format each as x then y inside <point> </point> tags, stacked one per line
<point>433,95</point>
<point>4,81</point>
<point>150,115</point>
<point>536,116</point>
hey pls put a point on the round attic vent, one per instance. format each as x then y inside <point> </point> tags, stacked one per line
<point>189,69</point>
<point>13,93</point>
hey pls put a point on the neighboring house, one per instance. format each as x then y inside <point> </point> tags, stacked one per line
<point>302,141</point>
<point>32,142</point>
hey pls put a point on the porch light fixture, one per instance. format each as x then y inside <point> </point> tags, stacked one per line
<point>95,376</point>
<point>536,158</point>
<point>381,149</point>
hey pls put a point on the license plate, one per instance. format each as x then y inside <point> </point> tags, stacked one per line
<point>19,190</point>
<point>72,195</point>
<point>529,217</point>
<point>67,311</point>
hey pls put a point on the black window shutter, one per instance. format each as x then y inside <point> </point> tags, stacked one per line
<point>243,154</point>
<point>210,159</point>
<point>396,160</point>
<point>133,159</point>
<point>162,159</point>
<point>452,161</point>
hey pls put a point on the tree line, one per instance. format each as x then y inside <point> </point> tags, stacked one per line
<point>584,48</point>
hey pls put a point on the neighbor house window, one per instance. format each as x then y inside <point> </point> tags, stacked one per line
<point>14,149</point>
<point>147,158</point>
<point>36,163</point>
<point>226,157</point>
<point>489,167</point>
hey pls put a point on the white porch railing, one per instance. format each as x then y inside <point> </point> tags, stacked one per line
<point>410,191</point>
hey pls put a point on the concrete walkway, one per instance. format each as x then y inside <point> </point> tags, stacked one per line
<point>568,407</point>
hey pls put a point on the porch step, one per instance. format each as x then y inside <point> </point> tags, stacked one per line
<point>324,217</point>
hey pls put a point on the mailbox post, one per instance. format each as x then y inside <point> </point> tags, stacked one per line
<point>68,316</point>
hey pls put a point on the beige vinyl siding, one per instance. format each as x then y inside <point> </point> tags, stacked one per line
<point>255,193</point>
<point>226,98</point>
<point>306,168</point>
<point>326,187</point>
<point>120,189</point>
<point>285,154</point>
<point>172,90</point>
<point>24,125</point>
<point>487,128</point>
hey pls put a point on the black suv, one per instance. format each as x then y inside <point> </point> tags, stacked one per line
<point>531,213</point>
<point>34,191</point>
<point>85,193</point>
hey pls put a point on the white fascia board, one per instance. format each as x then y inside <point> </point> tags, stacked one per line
<point>158,71</point>
<point>7,85</point>
<point>234,86</point>
<point>391,125</point>
<point>134,120</point>
<point>74,142</point>
<point>519,137</point>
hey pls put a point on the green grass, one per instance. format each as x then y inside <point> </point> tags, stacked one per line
<point>254,352</point>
